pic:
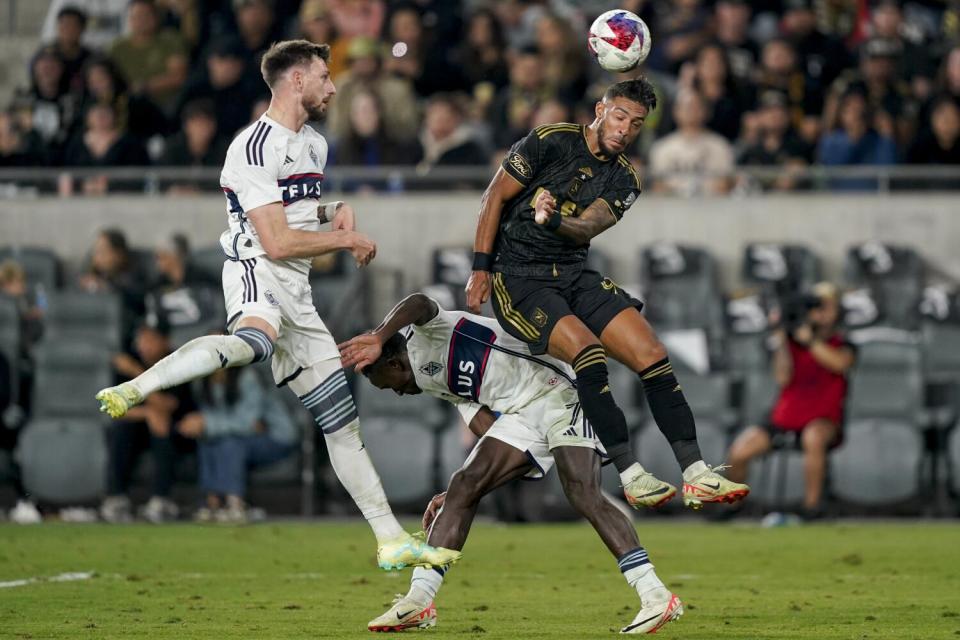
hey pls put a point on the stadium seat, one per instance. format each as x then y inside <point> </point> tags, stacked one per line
<point>93,318</point>
<point>776,480</point>
<point>63,459</point>
<point>758,394</point>
<point>10,341</point>
<point>212,315</point>
<point>681,288</point>
<point>402,449</point>
<point>341,296</point>
<point>767,264</point>
<point>207,262</point>
<point>953,458</point>
<point>882,456</point>
<point>941,360</point>
<point>895,276</point>
<point>878,463</point>
<point>41,265</point>
<point>68,375</point>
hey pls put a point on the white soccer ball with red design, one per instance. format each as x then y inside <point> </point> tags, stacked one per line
<point>620,40</point>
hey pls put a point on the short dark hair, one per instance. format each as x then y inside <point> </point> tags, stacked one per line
<point>283,55</point>
<point>392,348</point>
<point>639,90</point>
<point>73,12</point>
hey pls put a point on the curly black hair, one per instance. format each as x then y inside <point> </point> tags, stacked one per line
<point>639,90</point>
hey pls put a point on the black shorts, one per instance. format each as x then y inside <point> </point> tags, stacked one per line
<point>528,307</point>
<point>791,439</point>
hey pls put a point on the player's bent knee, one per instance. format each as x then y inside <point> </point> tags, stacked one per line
<point>258,340</point>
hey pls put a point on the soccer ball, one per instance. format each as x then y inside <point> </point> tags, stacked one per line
<point>620,40</point>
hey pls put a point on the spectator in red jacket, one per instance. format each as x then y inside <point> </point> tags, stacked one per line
<point>810,364</point>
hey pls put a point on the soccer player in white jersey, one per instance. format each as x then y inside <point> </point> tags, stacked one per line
<point>526,411</point>
<point>271,179</point>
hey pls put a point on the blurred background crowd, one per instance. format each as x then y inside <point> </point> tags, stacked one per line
<point>455,82</point>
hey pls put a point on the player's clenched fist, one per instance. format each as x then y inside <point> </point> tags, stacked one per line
<point>362,248</point>
<point>544,207</point>
<point>478,290</point>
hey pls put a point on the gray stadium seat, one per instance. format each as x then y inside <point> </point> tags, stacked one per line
<point>77,316</point>
<point>883,451</point>
<point>767,263</point>
<point>67,376</point>
<point>953,457</point>
<point>878,463</point>
<point>681,289</point>
<point>759,394</point>
<point>208,262</point>
<point>895,276</point>
<point>402,435</point>
<point>63,459</point>
<point>41,265</point>
<point>778,472</point>
<point>10,341</point>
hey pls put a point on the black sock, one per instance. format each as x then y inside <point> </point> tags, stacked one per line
<point>671,411</point>
<point>598,405</point>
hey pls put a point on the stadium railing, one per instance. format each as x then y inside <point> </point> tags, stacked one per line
<point>68,181</point>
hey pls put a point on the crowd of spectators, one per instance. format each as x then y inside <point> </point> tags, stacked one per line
<point>455,82</point>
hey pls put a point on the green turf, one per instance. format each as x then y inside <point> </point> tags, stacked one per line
<point>547,581</point>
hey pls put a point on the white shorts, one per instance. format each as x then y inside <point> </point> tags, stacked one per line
<point>555,420</point>
<point>280,295</point>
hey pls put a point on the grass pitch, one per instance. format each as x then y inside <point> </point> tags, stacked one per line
<point>300,580</point>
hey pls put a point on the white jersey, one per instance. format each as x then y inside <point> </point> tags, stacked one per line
<point>470,361</point>
<point>267,163</point>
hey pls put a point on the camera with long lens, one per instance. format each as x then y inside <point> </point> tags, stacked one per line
<point>795,304</point>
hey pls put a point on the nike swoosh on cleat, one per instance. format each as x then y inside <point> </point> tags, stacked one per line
<point>710,486</point>
<point>659,491</point>
<point>641,623</point>
<point>401,616</point>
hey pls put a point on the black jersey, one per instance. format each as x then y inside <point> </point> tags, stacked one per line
<point>556,157</point>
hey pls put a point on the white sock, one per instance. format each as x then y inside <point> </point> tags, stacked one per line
<point>357,475</point>
<point>649,587</point>
<point>630,473</point>
<point>424,585</point>
<point>694,470</point>
<point>198,358</point>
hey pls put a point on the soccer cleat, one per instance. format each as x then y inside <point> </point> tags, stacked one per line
<point>117,400</point>
<point>710,486</point>
<point>646,490</point>
<point>413,551</point>
<point>653,617</point>
<point>405,614</point>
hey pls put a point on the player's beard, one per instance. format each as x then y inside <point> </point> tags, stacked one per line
<point>316,112</point>
<point>600,141</point>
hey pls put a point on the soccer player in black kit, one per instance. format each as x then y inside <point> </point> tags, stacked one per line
<point>557,189</point>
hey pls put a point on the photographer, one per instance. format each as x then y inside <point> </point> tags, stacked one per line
<point>810,365</point>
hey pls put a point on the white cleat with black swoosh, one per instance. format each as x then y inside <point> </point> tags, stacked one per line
<point>646,490</point>
<point>654,616</point>
<point>405,613</point>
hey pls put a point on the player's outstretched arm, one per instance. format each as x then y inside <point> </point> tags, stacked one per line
<point>364,350</point>
<point>283,243</point>
<point>502,188</point>
<point>594,220</point>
